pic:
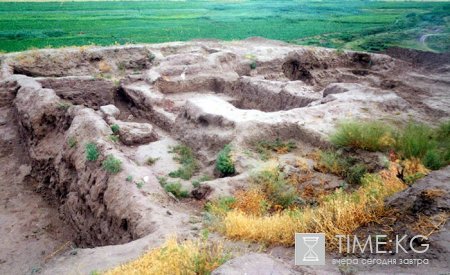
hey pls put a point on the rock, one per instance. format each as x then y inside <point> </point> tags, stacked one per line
<point>253,264</point>
<point>429,195</point>
<point>132,133</point>
<point>337,88</point>
<point>110,111</point>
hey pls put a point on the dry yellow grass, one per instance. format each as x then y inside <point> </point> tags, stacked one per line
<point>188,257</point>
<point>104,67</point>
<point>251,202</point>
<point>339,213</point>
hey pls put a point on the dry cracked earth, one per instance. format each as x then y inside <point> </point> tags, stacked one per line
<point>62,214</point>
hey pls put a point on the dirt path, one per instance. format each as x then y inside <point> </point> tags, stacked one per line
<point>30,228</point>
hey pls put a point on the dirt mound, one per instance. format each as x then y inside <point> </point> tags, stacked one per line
<point>428,60</point>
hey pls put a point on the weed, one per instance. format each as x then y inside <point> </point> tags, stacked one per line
<point>114,138</point>
<point>151,57</point>
<point>355,173</point>
<point>112,165</point>
<point>176,189</point>
<point>331,162</point>
<point>196,183</point>
<point>224,162</point>
<point>276,188</point>
<point>129,178</point>
<point>64,106</point>
<point>150,161</point>
<point>72,142</point>
<point>189,257</point>
<point>162,181</point>
<point>253,65</point>
<point>140,184</point>
<point>115,128</point>
<point>370,136</point>
<point>91,151</point>
<point>186,158</point>
<point>264,147</point>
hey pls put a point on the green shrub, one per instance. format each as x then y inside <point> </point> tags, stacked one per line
<point>370,136</point>
<point>112,165</point>
<point>253,65</point>
<point>415,141</point>
<point>275,186</point>
<point>115,128</point>
<point>176,190</point>
<point>224,162</point>
<point>91,151</point>
<point>186,158</point>
<point>129,178</point>
<point>140,184</point>
<point>433,160</point>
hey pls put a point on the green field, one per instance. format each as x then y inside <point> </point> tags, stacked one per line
<point>361,25</point>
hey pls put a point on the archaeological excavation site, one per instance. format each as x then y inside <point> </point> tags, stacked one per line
<point>206,157</point>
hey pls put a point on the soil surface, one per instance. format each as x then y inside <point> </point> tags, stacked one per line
<point>64,213</point>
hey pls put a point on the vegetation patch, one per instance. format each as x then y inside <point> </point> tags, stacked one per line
<point>115,129</point>
<point>186,158</point>
<point>338,213</point>
<point>72,142</point>
<point>370,136</point>
<point>225,162</point>
<point>91,152</point>
<point>176,189</point>
<point>112,165</point>
<point>189,257</point>
<point>415,141</point>
<point>150,161</point>
<point>265,148</point>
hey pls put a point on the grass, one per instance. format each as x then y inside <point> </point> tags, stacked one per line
<point>91,151</point>
<point>112,165</point>
<point>338,213</point>
<point>129,178</point>
<point>224,162</point>
<point>367,25</point>
<point>188,257</point>
<point>337,164</point>
<point>370,136</point>
<point>415,141</point>
<point>186,158</point>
